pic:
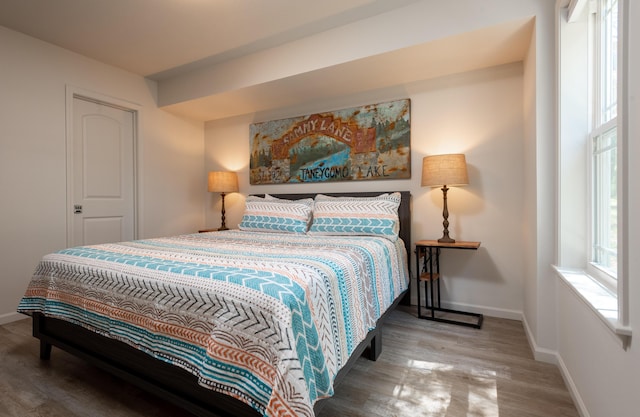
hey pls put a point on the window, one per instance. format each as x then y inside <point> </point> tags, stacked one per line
<point>605,201</point>
<point>603,28</point>
<point>592,162</point>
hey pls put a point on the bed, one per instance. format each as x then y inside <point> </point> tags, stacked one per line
<point>237,323</point>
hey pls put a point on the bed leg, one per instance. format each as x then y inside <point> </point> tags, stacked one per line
<point>45,350</point>
<point>376,346</point>
<point>406,299</point>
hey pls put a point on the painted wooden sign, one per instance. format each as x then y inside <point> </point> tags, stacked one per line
<point>362,143</point>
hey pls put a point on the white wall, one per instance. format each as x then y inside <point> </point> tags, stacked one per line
<point>530,307</point>
<point>502,118</point>
<point>532,245</point>
<point>33,78</point>
<point>420,22</point>
<point>479,114</point>
<point>602,374</point>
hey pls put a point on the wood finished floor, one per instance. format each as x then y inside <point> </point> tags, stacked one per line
<point>425,369</point>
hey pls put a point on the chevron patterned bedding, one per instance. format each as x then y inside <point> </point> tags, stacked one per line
<point>266,318</point>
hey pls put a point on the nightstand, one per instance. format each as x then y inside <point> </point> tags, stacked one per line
<point>428,251</point>
<point>207,230</point>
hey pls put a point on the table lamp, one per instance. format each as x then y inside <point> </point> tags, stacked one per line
<point>223,182</point>
<point>443,171</point>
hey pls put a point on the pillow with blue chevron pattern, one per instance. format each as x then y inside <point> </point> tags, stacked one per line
<point>276,215</point>
<point>368,216</point>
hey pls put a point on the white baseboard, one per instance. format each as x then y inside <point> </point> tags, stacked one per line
<point>11,317</point>
<point>573,390</point>
<point>487,311</point>
<point>540,354</point>
<point>551,356</point>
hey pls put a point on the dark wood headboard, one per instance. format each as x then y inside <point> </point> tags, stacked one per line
<point>404,211</point>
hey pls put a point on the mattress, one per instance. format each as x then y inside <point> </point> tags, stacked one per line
<point>267,318</point>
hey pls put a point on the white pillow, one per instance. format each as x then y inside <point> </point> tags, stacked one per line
<point>368,216</point>
<point>276,215</point>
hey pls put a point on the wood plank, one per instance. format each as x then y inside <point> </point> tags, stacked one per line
<point>426,368</point>
<point>459,244</point>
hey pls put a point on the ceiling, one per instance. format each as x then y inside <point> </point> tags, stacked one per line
<point>160,39</point>
<point>149,37</point>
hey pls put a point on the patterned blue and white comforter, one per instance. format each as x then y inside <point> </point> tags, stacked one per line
<point>266,318</point>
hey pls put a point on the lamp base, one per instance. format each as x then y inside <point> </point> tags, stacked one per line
<point>223,226</point>
<point>445,215</point>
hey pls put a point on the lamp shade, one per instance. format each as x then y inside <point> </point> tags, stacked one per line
<point>439,170</point>
<point>223,182</point>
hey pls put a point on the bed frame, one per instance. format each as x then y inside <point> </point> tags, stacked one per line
<point>175,384</point>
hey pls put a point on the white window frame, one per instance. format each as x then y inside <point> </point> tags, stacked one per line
<point>607,277</point>
<point>606,296</point>
<point>599,126</point>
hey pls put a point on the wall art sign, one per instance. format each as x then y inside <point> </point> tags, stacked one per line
<point>371,142</point>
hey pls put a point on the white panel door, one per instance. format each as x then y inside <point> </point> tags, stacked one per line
<point>103,173</point>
